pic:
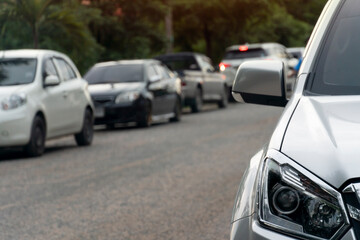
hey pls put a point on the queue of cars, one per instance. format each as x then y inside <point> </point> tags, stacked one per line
<point>44,96</point>
<point>305,182</point>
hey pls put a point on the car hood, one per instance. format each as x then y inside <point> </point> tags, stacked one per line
<point>324,136</point>
<point>8,90</point>
<point>109,88</point>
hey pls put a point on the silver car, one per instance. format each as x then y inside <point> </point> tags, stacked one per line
<point>305,183</point>
<point>237,54</point>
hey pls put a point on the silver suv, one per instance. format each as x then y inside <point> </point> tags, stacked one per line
<point>237,54</point>
<point>305,183</point>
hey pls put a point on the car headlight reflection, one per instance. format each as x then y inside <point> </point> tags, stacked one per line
<point>298,205</point>
<point>127,97</point>
<point>13,101</point>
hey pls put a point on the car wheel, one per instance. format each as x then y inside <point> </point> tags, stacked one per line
<point>146,118</point>
<point>177,112</point>
<point>85,137</point>
<point>224,99</point>
<point>197,102</point>
<point>36,146</point>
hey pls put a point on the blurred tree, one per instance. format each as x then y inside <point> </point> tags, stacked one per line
<point>102,30</point>
<point>54,24</point>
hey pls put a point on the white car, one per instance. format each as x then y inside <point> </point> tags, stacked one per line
<point>42,96</point>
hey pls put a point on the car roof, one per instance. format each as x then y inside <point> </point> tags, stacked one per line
<point>27,53</point>
<point>255,45</point>
<point>125,62</point>
<point>185,54</point>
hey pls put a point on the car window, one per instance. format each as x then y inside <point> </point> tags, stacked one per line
<point>250,53</point>
<point>115,74</point>
<point>162,71</point>
<point>17,71</point>
<point>179,63</point>
<point>206,64</point>
<point>66,71</point>
<point>152,71</point>
<point>338,72</point>
<point>49,68</point>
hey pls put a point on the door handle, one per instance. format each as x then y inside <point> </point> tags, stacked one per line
<point>65,94</point>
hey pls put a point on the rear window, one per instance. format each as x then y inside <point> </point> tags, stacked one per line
<point>17,71</point>
<point>338,71</point>
<point>179,63</point>
<point>250,53</point>
<point>115,74</point>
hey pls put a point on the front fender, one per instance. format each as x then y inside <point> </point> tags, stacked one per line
<point>245,201</point>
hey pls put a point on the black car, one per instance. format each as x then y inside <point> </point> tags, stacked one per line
<point>140,91</point>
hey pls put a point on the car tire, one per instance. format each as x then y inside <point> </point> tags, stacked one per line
<point>177,112</point>
<point>146,118</point>
<point>36,145</point>
<point>224,99</point>
<point>197,103</point>
<point>85,137</point>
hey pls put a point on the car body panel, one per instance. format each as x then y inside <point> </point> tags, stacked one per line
<point>332,123</point>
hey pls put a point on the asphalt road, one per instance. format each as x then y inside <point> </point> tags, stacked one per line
<point>170,181</point>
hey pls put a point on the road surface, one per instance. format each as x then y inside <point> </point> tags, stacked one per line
<point>170,181</point>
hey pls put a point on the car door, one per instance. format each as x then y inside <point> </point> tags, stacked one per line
<point>213,85</point>
<point>73,96</point>
<point>157,88</point>
<point>168,97</point>
<point>54,101</point>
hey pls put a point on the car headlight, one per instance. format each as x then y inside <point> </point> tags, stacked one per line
<point>13,101</point>
<point>298,203</point>
<point>127,97</point>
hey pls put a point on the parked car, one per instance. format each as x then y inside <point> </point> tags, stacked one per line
<point>140,91</point>
<point>237,54</point>
<point>296,52</point>
<point>42,96</point>
<point>305,183</point>
<point>200,82</point>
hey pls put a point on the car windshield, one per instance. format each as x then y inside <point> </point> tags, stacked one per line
<point>250,53</point>
<point>179,63</point>
<point>17,71</point>
<point>120,73</point>
<point>338,71</point>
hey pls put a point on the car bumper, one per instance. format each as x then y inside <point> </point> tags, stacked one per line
<point>15,127</point>
<point>120,113</point>
<point>250,229</point>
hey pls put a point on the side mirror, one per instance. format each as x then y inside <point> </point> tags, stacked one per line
<point>155,78</point>
<point>51,80</point>
<point>261,82</point>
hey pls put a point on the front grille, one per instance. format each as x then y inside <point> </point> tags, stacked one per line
<point>350,198</point>
<point>101,100</point>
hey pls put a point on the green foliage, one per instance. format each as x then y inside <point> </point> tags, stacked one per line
<point>123,29</point>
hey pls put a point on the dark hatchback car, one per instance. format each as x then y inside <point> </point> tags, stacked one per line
<point>140,91</point>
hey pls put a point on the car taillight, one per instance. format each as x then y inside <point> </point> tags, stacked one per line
<point>223,66</point>
<point>183,83</point>
<point>243,48</point>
